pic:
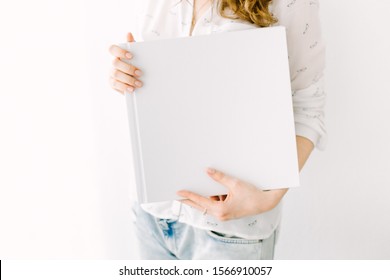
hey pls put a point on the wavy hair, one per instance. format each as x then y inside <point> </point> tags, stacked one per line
<point>253,11</point>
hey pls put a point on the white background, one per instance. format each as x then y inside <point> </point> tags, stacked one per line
<point>65,160</point>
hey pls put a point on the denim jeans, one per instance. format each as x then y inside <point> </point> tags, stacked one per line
<point>167,239</point>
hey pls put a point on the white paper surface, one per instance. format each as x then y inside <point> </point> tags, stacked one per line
<point>221,101</point>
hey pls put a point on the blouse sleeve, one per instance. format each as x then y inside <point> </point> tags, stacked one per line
<point>306,51</point>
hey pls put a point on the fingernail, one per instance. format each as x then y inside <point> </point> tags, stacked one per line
<point>129,89</point>
<point>211,170</point>
<point>138,73</point>
<point>138,83</point>
<point>128,55</point>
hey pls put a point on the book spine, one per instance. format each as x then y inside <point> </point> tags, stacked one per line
<point>131,101</point>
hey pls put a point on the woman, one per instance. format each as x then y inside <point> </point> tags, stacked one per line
<point>242,224</point>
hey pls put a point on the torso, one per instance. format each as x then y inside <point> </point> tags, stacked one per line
<point>164,19</point>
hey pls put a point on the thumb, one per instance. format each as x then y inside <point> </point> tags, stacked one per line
<point>130,37</point>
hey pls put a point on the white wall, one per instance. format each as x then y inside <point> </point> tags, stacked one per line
<point>343,209</point>
<point>65,161</point>
<point>64,152</point>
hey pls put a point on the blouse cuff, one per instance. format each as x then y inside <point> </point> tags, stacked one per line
<point>318,140</point>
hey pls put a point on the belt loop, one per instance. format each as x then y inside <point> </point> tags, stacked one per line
<point>176,209</point>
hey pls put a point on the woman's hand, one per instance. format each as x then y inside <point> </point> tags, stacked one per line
<point>124,76</point>
<point>243,199</point>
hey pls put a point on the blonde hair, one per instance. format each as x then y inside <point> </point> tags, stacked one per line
<point>253,11</point>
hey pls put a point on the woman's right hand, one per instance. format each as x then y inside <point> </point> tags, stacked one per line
<point>124,76</point>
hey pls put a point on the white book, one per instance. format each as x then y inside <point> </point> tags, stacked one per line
<point>221,101</point>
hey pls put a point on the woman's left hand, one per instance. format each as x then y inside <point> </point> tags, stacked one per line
<point>243,199</point>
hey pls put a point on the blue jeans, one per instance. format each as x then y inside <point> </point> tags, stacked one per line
<point>166,239</point>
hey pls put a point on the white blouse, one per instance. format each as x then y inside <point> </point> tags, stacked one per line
<point>162,19</point>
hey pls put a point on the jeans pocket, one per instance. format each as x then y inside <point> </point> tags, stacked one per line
<point>221,237</point>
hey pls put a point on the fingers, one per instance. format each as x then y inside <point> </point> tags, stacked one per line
<point>124,75</point>
<point>126,68</point>
<point>121,81</point>
<point>215,208</point>
<point>120,87</point>
<point>222,178</point>
<point>119,52</point>
<point>198,199</point>
<point>192,204</point>
<point>126,79</point>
